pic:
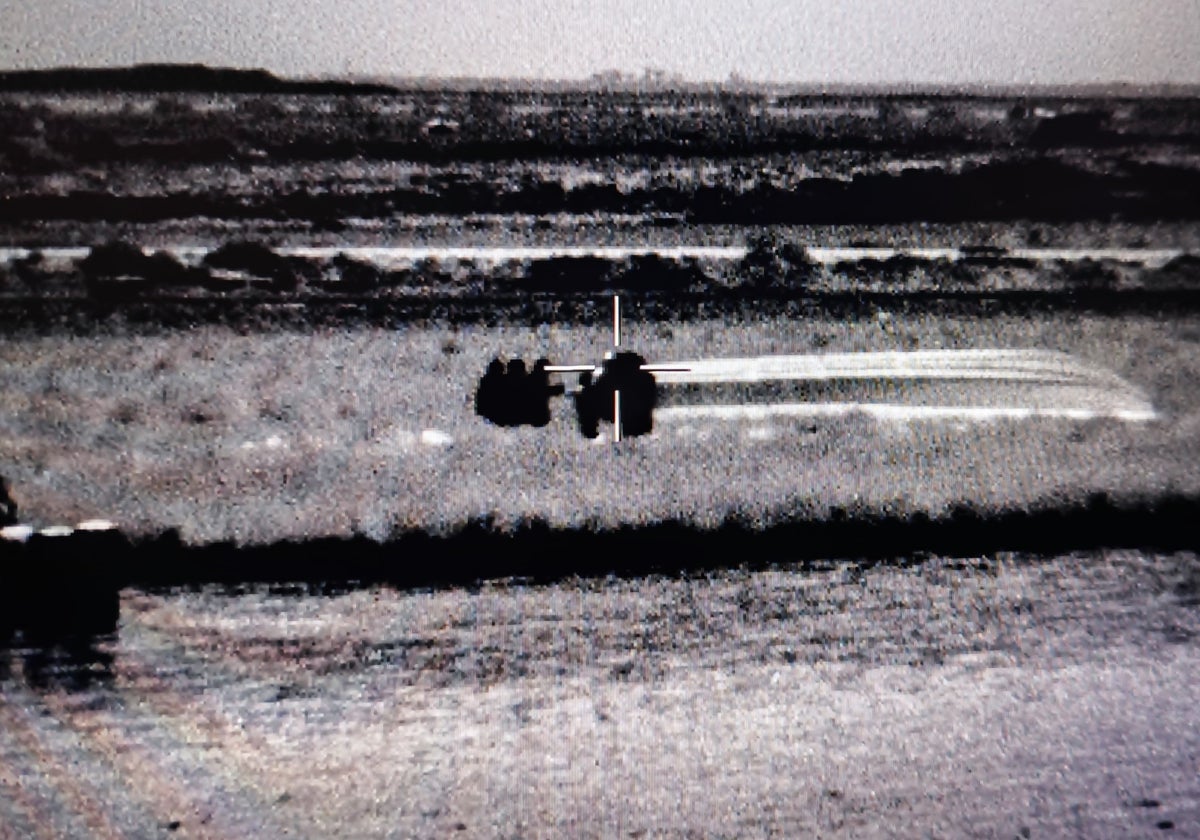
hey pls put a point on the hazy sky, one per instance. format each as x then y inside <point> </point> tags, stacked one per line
<point>1006,41</point>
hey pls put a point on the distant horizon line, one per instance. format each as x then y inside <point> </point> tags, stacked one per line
<point>648,79</point>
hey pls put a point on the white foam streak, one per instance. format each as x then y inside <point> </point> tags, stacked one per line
<point>895,412</point>
<point>1021,365</point>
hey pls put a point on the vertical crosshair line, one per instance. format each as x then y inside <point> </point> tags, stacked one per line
<point>616,345</point>
<point>617,433</point>
<point>616,321</point>
<point>616,416</point>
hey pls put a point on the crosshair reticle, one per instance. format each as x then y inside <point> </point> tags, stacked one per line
<point>609,356</point>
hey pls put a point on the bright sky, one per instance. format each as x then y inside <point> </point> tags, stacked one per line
<point>1002,41</point>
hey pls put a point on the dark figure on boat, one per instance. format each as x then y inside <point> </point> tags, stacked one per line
<point>489,396</point>
<point>595,400</point>
<point>514,397</point>
<point>515,408</point>
<point>587,406</point>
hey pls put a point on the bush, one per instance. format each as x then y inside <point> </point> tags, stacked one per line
<point>566,275</point>
<point>354,276</point>
<point>115,259</point>
<point>118,270</point>
<point>1089,275</point>
<point>653,273</point>
<point>115,272</point>
<point>1183,267</point>
<point>773,262</point>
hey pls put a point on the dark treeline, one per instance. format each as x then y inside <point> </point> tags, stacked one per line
<point>169,78</point>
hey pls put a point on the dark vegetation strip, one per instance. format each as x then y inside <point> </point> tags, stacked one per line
<point>479,550</point>
<point>247,284</point>
<point>66,589</point>
<point>482,126</point>
<point>683,145</point>
<point>1040,190</point>
<point>289,313</point>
